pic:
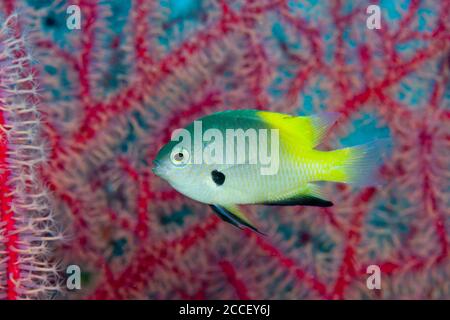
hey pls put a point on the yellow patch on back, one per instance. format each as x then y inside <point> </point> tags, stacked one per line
<point>305,132</point>
<point>297,130</point>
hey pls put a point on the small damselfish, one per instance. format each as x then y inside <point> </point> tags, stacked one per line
<point>225,185</point>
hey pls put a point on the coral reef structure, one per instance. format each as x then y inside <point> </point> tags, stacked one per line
<point>112,92</point>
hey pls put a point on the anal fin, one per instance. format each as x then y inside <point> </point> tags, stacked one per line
<point>308,196</point>
<point>301,200</point>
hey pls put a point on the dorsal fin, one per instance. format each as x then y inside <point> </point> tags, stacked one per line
<point>304,131</point>
<point>320,124</point>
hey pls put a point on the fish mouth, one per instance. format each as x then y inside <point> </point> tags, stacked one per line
<point>157,168</point>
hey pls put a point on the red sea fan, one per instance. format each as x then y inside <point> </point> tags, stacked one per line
<point>26,222</point>
<point>113,92</point>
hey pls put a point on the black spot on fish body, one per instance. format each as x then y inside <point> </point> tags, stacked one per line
<point>218,177</point>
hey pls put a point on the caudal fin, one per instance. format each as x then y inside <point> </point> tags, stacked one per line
<point>359,165</point>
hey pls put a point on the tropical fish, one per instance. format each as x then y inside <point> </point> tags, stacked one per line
<point>229,173</point>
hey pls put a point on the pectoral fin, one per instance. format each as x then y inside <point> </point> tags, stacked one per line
<point>232,214</point>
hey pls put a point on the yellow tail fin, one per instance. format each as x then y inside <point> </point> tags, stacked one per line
<point>358,165</point>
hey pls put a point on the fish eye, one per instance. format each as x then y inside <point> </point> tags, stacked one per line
<point>180,157</point>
